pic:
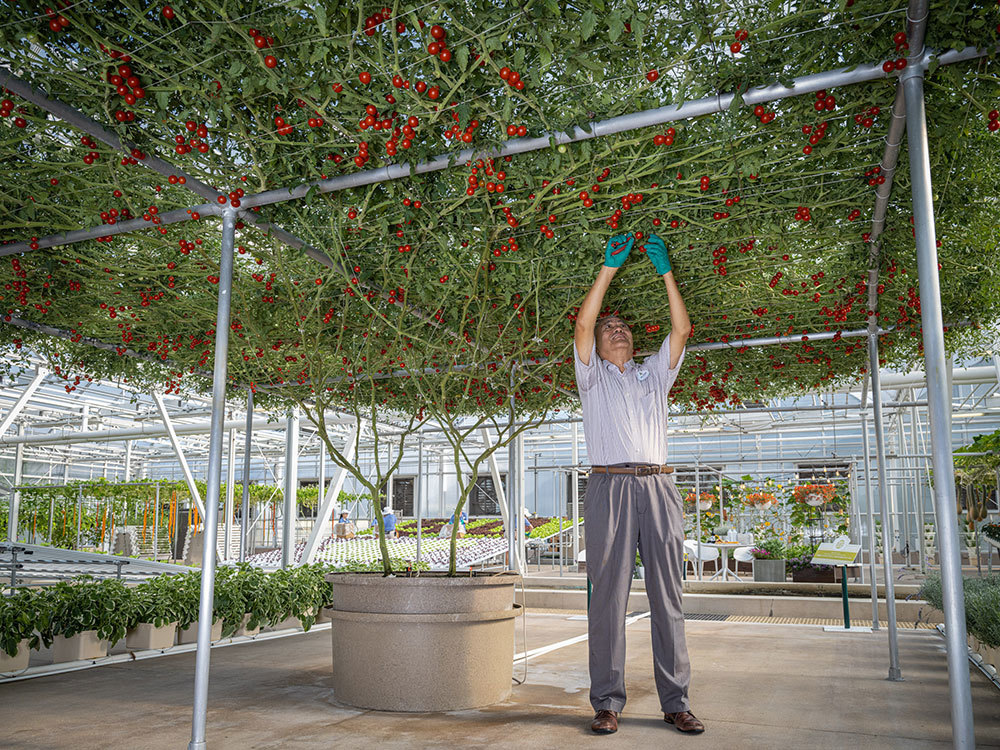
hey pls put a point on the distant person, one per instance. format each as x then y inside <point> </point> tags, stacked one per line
<point>463,519</point>
<point>344,527</point>
<point>389,518</point>
<point>527,526</point>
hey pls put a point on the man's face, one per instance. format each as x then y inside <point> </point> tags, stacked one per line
<point>612,334</point>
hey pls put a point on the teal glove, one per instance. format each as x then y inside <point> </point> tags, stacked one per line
<point>617,250</point>
<point>657,252</point>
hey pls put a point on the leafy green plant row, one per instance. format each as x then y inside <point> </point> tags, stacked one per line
<point>982,605</point>
<point>111,607</point>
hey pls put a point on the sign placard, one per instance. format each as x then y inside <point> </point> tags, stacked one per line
<point>840,552</point>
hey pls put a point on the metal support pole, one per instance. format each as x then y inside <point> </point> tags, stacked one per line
<point>575,478</point>
<point>245,493</point>
<point>697,517</point>
<point>219,374</point>
<point>156,522</point>
<point>939,398</point>
<point>227,523</point>
<point>498,488</point>
<point>870,503</point>
<point>513,562</point>
<point>519,525</point>
<point>175,443</point>
<point>79,515</point>
<point>418,496</point>
<point>328,500</point>
<point>291,485</point>
<point>890,590</point>
<point>560,478</point>
<point>15,495</point>
<point>22,400</point>
<point>128,461</point>
<point>321,474</point>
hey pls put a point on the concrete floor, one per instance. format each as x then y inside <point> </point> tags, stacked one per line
<point>754,685</point>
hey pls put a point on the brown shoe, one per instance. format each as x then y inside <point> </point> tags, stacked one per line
<point>685,721</point>
<point>605,722</point>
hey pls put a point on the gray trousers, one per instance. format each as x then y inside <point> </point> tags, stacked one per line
<point>621,513</point>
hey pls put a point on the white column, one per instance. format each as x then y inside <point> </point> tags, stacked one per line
<point>291,485</point>
<point>128,460</point>
<point>227,523</point>
<point>15,496</point>
<point>575,479</point>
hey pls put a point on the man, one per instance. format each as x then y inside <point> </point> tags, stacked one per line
<point>631,499</point>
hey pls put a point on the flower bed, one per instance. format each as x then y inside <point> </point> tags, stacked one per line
<point>363,553</point>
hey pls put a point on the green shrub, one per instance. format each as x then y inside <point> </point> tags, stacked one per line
<point>771,548</point>
<point>85,604</point>
<point>20,618</point>
<point>159,601</point>
<point>188,598</point>
<point>982,605</point>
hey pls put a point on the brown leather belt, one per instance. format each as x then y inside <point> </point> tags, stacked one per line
<point>636,471</point>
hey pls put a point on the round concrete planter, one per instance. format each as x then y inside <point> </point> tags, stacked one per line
<point>769,570</point>
<point>428,643</point>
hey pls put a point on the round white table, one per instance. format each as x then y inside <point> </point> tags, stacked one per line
<point>724,548</point>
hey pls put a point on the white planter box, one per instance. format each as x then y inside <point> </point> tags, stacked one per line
<point>190,634</point>
<point>19,663</point>
<point>243,630</point>
<point>82,646</point>
<point>146,636</point>
<point>288,623</point>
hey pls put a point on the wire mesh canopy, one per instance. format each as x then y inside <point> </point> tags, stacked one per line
<point>766,208</point>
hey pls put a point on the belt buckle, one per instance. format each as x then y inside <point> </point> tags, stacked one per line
<point>645,471</point>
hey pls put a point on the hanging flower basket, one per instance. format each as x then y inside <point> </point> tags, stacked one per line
<point>706,500</point>
<point>814,494</point>
<point>760,500</point>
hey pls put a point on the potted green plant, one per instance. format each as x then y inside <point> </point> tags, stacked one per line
<point>298,595</point>
<point>188,598</point>
<point>85,617</point>
<point>158,605</point>
<point>20,619</point>
<point>241,599</point>
<point>424,616</point>
<point>798,559</point>
<point>769,559</point>
<point>982,612</point>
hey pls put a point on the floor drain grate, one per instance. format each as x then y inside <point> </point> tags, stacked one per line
<point>705,617</point>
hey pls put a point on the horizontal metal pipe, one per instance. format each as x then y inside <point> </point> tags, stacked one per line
<point>67,437</point>
<point>623,123</point>
<point>70,336</point>
<point>87,125</point>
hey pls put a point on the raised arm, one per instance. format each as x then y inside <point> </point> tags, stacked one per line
<point>615,253</point>
<point>680,323</point>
